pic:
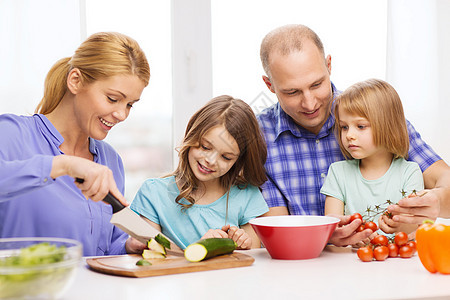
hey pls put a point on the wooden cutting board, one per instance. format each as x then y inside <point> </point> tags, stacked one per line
<point>125,265</point>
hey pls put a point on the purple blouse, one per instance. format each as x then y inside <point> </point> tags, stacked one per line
<point>32,204</point>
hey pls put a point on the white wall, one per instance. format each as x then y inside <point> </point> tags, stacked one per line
<point>418,66</point>
<point>33,35</point>
<point>353,33</point>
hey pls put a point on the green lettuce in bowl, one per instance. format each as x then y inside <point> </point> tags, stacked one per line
<point>37,267</point>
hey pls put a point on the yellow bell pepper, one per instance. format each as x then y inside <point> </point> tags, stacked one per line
<point>433,247</point>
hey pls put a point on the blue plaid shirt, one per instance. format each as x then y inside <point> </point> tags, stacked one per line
<point>298,160</point>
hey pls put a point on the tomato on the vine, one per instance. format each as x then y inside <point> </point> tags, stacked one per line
<point>400,239</point>
<point>365,253</point>
<point>405,251</point>
<point>381,253</point>
<point>413,246</point>
<point>355,216</point>
<point>360,228</point>
<point>380,239</point>
<point>371,225</point>
<point>393,250</point>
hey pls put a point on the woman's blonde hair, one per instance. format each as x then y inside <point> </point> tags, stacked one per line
<point>102,55</point>
<point>240,121</point>
<point>378,102</point>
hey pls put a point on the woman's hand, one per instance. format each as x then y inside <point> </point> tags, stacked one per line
<point>133,246</point>
<point>98,180</point>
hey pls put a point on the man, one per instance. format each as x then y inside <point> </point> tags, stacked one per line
<point>301,144</point>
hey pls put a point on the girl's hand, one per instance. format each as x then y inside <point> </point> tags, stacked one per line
<point>365,241</point>
<point>238,235</point>
<point>345,233</point>
<point>388,225</point>
<point>215,233</point>
<point>133,246</point>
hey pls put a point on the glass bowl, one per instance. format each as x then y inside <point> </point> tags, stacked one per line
<point>37,268</point>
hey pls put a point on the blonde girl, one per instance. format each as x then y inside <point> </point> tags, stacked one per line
<point>372,134</point>
<point>214,191</point>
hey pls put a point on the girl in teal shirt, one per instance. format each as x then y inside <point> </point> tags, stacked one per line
<point>371,131</point>
<point>214,191</point>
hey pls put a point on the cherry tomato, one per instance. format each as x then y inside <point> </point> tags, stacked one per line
<point>405,251</point>
<point>400,239</point>
<point>360,228</point>
<point>393,250</point>
<point>371,225</point>
<point>380,240</point>
<point>365,253</point>
<point>381,253</point>
<point>413,246</point>
<point>355,216</point>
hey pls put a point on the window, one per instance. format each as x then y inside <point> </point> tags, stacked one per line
<point>144,140</point>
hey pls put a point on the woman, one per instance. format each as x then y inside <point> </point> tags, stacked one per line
<point>84,97</point>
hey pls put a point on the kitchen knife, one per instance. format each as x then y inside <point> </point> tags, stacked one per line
<point>131,222</point>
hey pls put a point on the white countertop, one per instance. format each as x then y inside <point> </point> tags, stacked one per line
<point>335,274</point>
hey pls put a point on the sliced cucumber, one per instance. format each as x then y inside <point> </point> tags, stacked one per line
<point>155,246</point>
<point>148,254</point>
<point>143,262</point>
<point>207,248</point>
<point>162,240</point>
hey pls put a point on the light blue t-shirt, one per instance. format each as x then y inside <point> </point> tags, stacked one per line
<point>345,182</point>
<point>155,200</point>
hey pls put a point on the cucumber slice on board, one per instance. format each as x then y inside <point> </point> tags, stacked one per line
<point>148,254</point>
<point>143,262</point>
<point>162,240</point>
<point>207,248</point>
<point>155,246</point>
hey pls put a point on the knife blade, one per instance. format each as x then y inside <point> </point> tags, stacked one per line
<point>130,222</point>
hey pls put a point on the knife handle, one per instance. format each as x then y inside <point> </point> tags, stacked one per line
<point>116,204</point>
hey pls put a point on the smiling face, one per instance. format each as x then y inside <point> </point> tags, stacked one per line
<point>301,81</point>
<point>215,155</point>
<point>104,103</point>
<point>356,136</point>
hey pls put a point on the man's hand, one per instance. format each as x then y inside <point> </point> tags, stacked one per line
<point>414,210</point>
<point>345,233</point>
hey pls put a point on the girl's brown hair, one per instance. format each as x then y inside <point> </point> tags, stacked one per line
<point>102,55</point>
<point>378,102</point>
<point>240,121</point>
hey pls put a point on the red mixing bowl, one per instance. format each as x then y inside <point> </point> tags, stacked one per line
<point>294,237</point>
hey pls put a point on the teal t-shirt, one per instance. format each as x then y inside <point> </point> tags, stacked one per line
<point>345,182</point>
<point>155,200</point>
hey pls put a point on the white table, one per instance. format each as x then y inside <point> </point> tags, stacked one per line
<point>335,274</point>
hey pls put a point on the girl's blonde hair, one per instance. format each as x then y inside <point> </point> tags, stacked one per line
<point>102,55</point>
<point>240,121</point>
<point>378,102</point>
